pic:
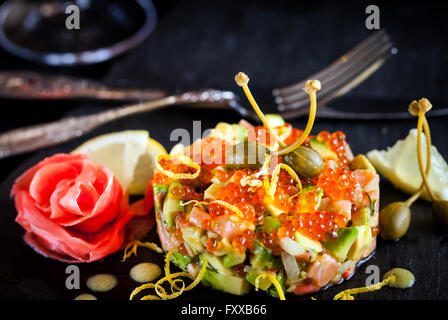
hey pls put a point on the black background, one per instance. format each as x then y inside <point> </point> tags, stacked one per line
<point>202,44</point>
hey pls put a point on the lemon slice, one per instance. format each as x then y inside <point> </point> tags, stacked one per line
<point>145,167</point>
<point>128,154</point>
<point>399,165</point>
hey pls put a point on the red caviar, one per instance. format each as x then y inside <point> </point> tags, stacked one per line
<point>336,142</point>
<point>301,210</point>
<point>186,193</point>
<point>339,184</point>
<point>161,179</point>
<point>243,241</point>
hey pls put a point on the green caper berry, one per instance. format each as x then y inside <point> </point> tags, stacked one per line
<point>246,154</point>
<point>395,219</point>
<point>306,162</point>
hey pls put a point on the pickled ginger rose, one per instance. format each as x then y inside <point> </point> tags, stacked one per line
<point>73,209</point>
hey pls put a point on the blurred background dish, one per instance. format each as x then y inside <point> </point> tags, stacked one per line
<point>37,31</point>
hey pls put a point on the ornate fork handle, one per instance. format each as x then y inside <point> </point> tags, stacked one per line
<point>43,135</point>
<point>30,85</point>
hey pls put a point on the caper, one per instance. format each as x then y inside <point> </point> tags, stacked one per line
<point>403,278</point>
<point>246,154</point>
<point>440,211</point>
<point>394,220</point>
<point>306,162</point>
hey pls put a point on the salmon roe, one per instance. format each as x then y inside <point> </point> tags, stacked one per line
<point>295,135</point>
<point>314,225</point>
<point>336,142</point>
<point>186,193</point>
<point>235,194</point>
<point>339,184</point>
<point>301,213</point>
<point>161,179</point>
<point>243,241</point>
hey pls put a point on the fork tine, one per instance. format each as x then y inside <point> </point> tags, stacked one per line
<point>341,76</point>
<point>366,43</point>
<point>357,75</point>
<point>329,74</point>
<point>346,80</point>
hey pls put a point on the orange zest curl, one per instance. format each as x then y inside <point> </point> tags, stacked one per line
<point>131,248</point>
<point>348,294</point>
<point>174,280</point>
<point>275,174</point>
<point>182,159</point>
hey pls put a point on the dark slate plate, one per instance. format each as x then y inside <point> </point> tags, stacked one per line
<point>26,275</point>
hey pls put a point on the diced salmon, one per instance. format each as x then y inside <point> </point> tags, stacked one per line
<point>198,217</point>
<point>344,207</point>
<point>369,182</point>
<point>227,228</point>
<point>323,269</point>
<point>305,287</point>
<point>246,124</point>
<point>305,257</point>
<point>251,136</point>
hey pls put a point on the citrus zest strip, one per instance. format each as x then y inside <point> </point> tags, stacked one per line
<point>182,159</point>
<point>131,248</point>
<point>348,294</point>
<point>173,279</point>
<point>274,282</point>
<point>200,204</point>
<point>275,174</point>
<point>251,180</point>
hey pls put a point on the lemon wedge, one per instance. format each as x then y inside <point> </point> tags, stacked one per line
<point>130,155</point>
<point>145,167</point>
<point>399,165</point>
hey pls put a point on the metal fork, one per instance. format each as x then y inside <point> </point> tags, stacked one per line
<point>337,79</point>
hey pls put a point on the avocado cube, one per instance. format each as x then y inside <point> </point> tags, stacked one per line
<point>307,243</point>
<point>341,246</point>
<point>224,248</point>
<point>362,243</point>
<point>263,258</point>
<point>317,191</point>
<point>232,259</point>
<point>233,132</point>
<point>159,194</point>
<point>263,283</point>
<point>271,208</point>
<point>180,260</point>
<point>216,264</point>
<point>192,237</point>
<point>322,148</point>
<point>171,205</point>
<point>270,223</point>
<point>230,284</point>
<point>362,163</point>
<point>210,192</point>
<point>362,217</point>
<point>274,120</point>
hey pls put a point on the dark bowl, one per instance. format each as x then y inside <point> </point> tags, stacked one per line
<point>37,30</point>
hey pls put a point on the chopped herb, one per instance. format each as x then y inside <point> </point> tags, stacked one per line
<point>371,205</point>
